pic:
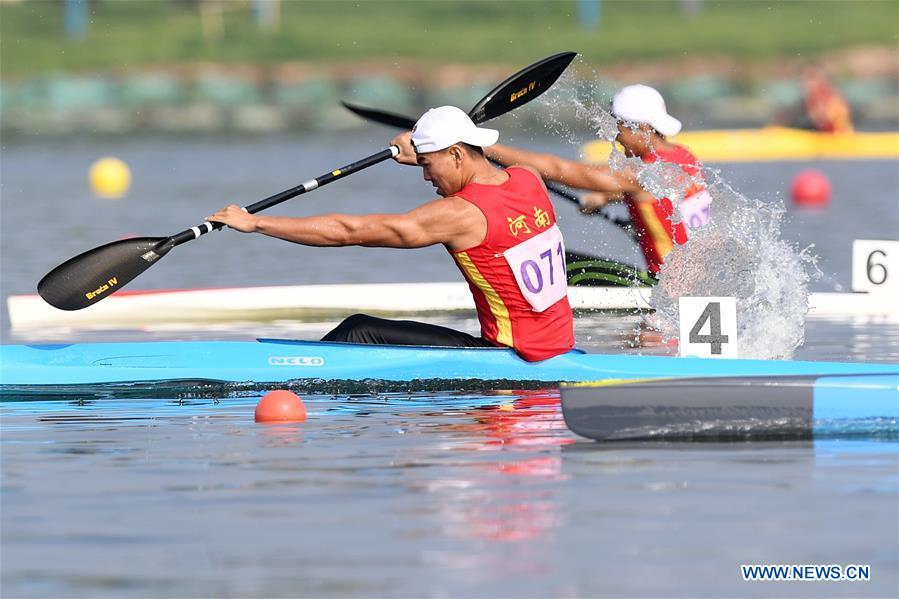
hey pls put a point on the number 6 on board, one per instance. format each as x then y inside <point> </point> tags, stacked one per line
<point>708,327</point>
<point>875,265</point>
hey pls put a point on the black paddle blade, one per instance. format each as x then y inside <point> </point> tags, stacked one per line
<point>522,87</point>
<point>89,277</point>
<point>381,116</point>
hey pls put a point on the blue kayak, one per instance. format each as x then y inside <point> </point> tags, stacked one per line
<point>281,361</point>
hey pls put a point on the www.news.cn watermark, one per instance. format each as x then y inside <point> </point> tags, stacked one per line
<point>805,572</point>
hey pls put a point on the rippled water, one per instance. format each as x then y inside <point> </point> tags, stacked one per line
<point>421,496</point>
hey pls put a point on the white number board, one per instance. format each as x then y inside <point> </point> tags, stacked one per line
<point>695,209</point>
<point>708,327</point>
<point>875,265</point>
<point>539,268</point>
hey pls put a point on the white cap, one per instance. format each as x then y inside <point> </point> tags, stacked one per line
<point>643,104</point>
<point>439,128</point>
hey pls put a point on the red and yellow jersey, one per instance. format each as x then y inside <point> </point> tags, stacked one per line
<point>517,273</point>
<point>652,220</point>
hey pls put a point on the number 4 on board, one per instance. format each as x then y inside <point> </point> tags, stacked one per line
<point>708,327</point>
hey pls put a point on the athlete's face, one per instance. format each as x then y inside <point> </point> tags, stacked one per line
<point>633,137</point>
<point>443,170</point>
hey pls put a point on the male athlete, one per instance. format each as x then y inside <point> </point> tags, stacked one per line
<point>643,128</point>
<point>498,225</point>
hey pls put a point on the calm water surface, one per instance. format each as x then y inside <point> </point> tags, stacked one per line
<point>436,495</point>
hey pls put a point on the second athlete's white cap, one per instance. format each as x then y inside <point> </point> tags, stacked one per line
<point>644,104</point>
<point>439,128</point>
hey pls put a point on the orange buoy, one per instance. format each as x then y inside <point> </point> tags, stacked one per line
<point>280,406</point>
<point>810,189</point>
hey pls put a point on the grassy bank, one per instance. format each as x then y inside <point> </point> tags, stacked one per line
<point>128,34</point>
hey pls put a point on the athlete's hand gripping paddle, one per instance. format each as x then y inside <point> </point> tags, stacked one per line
<point>403,122</point>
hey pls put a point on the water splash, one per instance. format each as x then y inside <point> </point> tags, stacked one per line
<point>738,253</point>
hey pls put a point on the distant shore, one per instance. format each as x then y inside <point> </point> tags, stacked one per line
<point>297,96</point>
<point>182,66</point>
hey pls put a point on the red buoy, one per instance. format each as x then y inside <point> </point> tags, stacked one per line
<point>280,406</point>
<point>810,189</point>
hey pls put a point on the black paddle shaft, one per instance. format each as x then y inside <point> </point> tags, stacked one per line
<point>98,273</point>
<point>287,194</point>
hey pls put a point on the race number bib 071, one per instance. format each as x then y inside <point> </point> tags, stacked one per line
<point>539,268</point>
<point>695,209</point>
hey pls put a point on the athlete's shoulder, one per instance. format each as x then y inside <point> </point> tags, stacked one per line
<point>452,203</point>
<point>523,174</point>
<point>679,155</point>
<point>517,169</point>
<point>683,155</point>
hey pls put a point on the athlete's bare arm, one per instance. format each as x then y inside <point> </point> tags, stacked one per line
<point>643,197</point>
<point>568,172</point>
<point>595,201</point>
<point>452,221</point>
